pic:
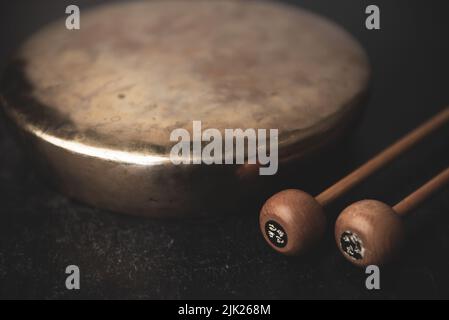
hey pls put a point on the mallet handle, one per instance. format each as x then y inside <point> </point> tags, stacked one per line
<point>417,197</point>
<point>383,158</point>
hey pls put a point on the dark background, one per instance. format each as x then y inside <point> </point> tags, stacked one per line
<point>41,231</point>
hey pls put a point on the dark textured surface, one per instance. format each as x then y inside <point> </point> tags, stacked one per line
<point>41,232</point>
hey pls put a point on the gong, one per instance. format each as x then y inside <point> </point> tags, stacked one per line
<point>97,105</point>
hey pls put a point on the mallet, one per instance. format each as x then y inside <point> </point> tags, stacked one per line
<point>370,232</point>
<point>292,221</point>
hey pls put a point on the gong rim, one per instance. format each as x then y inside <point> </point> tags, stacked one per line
<point>33,98</point>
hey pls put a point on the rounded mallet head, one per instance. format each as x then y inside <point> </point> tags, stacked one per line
<point>369,232</point>
<point>292,221</point>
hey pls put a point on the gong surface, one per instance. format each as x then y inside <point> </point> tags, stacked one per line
<point>100,102</point>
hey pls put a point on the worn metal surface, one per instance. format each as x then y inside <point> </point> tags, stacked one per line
<point>98,104</point>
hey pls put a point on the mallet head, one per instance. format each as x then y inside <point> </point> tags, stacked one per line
<point>369,232</point>
<point>292,221</point>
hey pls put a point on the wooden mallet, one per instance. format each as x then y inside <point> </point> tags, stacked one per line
<point>370,232</point>
<point>292,221</point>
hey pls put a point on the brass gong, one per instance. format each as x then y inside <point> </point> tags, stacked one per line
<point>97,105</point>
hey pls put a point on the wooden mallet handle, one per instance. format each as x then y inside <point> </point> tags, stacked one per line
<point>382,158</point>
<point>414,199</point>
